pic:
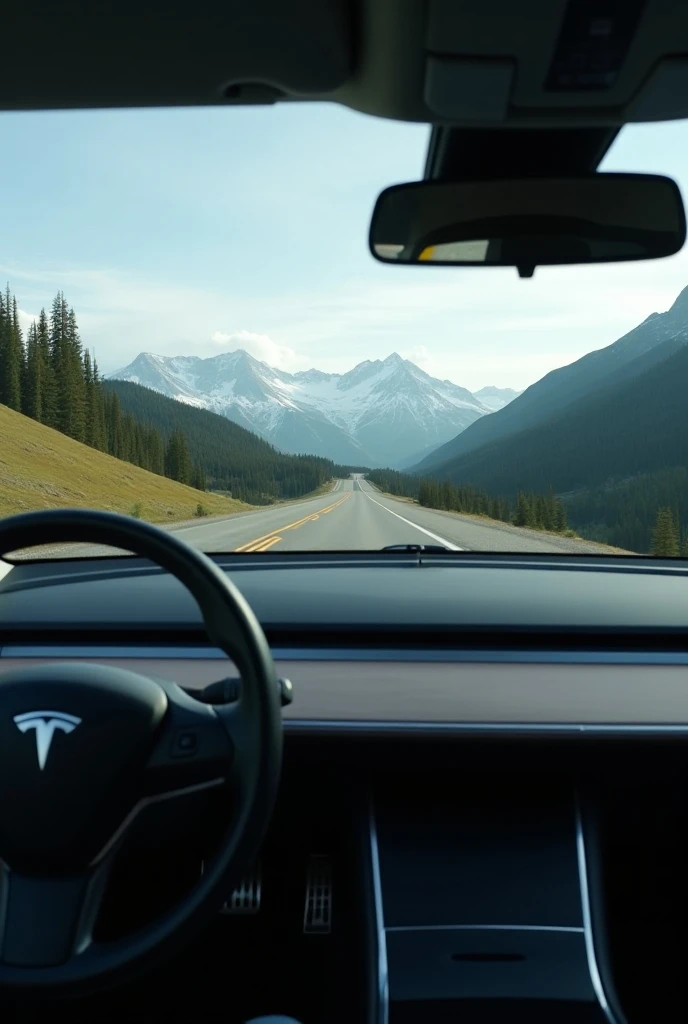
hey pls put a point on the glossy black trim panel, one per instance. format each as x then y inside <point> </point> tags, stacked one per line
<point>500,657</point>
<point>420,730</point>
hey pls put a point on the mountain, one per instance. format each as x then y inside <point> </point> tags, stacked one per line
<point>496,398</point>
<point>636,426</point>
<point>378,413</point>
<point>615,456</point>
<point>232,458</point>
<point>626,358</point>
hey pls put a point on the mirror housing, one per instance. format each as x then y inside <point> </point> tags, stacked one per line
<point>529,222</point>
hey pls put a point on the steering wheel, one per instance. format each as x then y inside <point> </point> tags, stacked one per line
<point>84,748</point>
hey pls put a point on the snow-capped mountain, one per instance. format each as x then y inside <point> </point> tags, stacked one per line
<point>382,412</point>
<point>496,398</point>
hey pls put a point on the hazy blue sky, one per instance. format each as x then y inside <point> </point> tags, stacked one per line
<point>199,231</point>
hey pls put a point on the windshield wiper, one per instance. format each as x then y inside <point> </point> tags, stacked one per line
<point>414,549</point>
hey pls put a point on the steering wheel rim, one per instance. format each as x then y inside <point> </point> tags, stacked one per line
<point>253,727</point>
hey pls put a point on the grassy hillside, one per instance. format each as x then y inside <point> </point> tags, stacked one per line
<point>42,468</point>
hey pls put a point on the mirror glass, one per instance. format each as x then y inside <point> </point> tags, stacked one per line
<point>529,222</point>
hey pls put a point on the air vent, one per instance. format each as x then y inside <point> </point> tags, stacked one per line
<point>317,917</point>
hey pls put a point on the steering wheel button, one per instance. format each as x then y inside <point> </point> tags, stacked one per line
<point>185,743</point>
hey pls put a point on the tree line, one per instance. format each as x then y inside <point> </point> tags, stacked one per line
<point>53,379</point>
<point>234,460</point>
<point>668,540</point>
<point>624,512</point>
<point>535,511</point>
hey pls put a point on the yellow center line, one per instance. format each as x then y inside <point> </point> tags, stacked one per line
<point>258,543</point>
<point>267,544</point>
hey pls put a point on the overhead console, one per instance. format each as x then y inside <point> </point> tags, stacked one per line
<point>535,63</point>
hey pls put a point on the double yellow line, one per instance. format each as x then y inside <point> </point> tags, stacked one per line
<point>268,540</point>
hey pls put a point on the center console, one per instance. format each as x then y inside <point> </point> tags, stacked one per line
<point>483,911</point>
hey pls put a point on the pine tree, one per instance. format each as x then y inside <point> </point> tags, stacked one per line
<point>198,478</point>
<point>98,411</point>
<point>78,386</point>
<point>665,534</point>
<point>94,433</point>
<point>33,382</point>
<point>114,427</point>
<point>47,372</point>
<point>66,359</point>
<point>177,460</point>
<point>11,353</point>
<point>89,424</point>
<point>559,518</point>
<point>60,362</point>
<point>524,514</point>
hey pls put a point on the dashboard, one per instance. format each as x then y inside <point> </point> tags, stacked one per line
<point>496,748</point>
<point>395,644</point>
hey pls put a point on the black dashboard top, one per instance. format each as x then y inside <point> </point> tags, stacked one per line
<point>391,592</point>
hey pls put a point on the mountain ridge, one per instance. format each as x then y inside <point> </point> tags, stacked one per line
<point>614,454</point>
<point>377,413</point>
<point>561,387</point>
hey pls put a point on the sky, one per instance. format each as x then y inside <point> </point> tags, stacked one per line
<point>195,232</point>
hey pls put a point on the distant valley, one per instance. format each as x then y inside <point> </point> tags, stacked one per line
<point>380,413</point>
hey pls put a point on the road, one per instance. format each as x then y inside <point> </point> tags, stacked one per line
<point>354,516</point>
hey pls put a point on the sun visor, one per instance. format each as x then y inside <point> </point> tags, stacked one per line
<point>128,54</point>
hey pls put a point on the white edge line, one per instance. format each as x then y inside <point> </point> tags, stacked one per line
<point>434,536</point>
<point>5,568</point>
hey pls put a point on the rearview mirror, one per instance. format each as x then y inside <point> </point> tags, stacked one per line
<point>529,222</point>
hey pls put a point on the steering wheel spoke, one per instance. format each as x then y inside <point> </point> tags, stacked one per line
<point>45,922</point>
<point>194,748</point>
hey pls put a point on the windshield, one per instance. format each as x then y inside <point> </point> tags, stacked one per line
<point>194,333</point>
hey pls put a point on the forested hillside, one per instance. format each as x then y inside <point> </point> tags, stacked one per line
<point>51,377</point>
<point>627,359</point>
<point>232,458</point>
<point>614,457</point>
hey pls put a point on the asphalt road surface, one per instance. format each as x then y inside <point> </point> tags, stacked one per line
<point>353,516</point>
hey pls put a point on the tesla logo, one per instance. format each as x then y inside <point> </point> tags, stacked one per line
<point>45,724</point>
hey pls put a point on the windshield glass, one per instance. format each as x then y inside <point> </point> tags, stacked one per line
<point>194,333</point>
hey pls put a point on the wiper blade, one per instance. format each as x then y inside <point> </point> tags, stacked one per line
<point>414,549</point>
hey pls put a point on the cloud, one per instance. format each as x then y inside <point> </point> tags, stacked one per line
<point>262,347</point>
<point>26,319</point>
<point>421,357</point>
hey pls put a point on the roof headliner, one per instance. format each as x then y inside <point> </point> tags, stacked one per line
<point>476,63</point>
